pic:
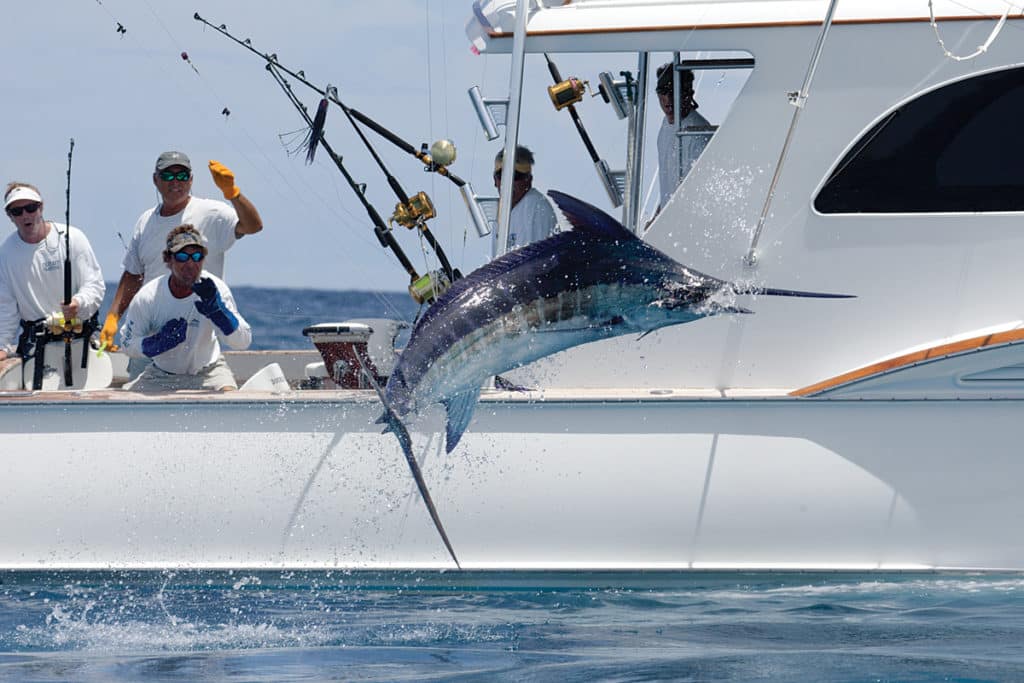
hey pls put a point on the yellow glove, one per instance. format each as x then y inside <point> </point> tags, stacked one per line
<point>108,332</point>
<point>224,179</point>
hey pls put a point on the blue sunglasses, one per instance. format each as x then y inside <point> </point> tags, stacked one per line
<point>182,257</point>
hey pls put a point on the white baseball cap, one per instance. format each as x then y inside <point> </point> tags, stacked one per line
<point>21,192</point>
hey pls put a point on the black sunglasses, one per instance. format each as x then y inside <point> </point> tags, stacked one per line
<point>183,257</point>
<point>181,176</point>
<point>28,208</point>
<point>518,176</point>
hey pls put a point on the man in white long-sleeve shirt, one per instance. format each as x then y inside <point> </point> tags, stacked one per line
<point>32,271</point>
<point>677,154</point>
<point>179,320</point>
<point>532,217</point>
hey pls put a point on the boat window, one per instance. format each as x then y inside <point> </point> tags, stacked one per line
<point>954,149</point>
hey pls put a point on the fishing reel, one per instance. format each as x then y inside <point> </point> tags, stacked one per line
<point>57,325</point>
<point>427,288</point>
<point>418,209</point>
<point>441,154</point>
<point>568,92</point>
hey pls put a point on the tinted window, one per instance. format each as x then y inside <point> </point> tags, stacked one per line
<point>958,148</point>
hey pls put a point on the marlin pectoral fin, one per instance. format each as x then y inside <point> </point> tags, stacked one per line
<point>460,408</point>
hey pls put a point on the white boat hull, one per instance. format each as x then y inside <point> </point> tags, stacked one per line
<point>584,483</point>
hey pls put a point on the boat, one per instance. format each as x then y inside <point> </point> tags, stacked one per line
<point>869,151</point>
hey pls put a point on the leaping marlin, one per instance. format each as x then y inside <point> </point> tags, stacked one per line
<point>593,282</point>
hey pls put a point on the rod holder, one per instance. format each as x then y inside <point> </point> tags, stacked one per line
<point>616,92</point>
<point>614,181</point>
<point>478,210</point>
<point>491,112</point>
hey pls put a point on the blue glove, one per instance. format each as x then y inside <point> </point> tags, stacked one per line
<point>169,336</point>
<point>212,306</point>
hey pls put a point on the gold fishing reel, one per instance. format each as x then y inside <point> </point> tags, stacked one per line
<point>417,210</point>
<point>58,325</point>
<point>569,91</point>
<point>427,288</point>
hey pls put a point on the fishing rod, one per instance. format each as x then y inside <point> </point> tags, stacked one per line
<point>411,213</point>
<point>384,235</point>
<point>564,95</point>
<point>68,326</point>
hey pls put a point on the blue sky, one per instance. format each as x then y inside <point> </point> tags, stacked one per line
<point>124,98</point>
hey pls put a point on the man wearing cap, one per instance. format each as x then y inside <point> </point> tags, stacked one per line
<point>179,320</point>
<point>677,154</point>
<point>219,223</point>
<point>532,217</point>
<point>32,271</point>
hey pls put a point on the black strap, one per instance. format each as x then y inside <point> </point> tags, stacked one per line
<point>35,335</point>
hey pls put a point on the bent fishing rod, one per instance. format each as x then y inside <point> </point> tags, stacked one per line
<point>410,213</point>
<point>383,233</point>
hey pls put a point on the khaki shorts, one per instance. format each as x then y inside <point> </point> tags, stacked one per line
<point>216,376</point>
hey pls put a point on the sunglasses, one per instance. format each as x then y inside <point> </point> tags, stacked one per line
<point>518,176</point>
<point>183,257</point>
<point>28,208</point>
<point>181,176</point>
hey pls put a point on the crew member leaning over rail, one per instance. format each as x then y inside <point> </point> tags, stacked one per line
<point>32,272</point>
<point>219,223</point>
<point>179,319</point>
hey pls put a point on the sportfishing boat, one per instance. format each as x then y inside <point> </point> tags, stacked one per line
<point>868,151</point>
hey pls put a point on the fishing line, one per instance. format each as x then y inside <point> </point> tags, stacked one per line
<point>982,49</point>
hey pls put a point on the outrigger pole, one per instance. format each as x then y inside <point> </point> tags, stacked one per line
<point>411,213</point>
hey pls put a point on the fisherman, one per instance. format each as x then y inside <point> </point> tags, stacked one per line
<point>219,223</point>
<point>179,319</point>
<point>32,262</point>
<point>532,217</point>
<point>677,154</point>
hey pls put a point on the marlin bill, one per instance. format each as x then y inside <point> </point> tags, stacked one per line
<point>593,282</point>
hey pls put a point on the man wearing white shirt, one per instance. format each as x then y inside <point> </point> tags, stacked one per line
<point>532,217</point>
<point>677,153</point>
<point>220,223</point>
<point>179,320</point>
<point>32,272</point>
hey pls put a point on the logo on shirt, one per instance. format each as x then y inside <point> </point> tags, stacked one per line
<point>51,265</point>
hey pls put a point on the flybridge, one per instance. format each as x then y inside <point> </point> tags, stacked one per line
<point>496,18</point>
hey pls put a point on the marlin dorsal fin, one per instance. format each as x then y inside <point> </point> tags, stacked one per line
<point>460,408</point>
<point>587,218</point>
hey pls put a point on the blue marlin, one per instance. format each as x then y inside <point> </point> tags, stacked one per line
<point>593,282</point>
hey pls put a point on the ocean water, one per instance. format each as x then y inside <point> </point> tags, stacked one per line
<point>296,626</point>
<point>278,316</point>
<point>466,626</point>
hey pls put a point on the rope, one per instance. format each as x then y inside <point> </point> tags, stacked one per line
<point>981,48</point>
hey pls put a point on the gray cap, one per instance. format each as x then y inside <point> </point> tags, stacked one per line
<point>168,159</point>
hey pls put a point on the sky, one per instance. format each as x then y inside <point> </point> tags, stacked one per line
<point>127,96</point>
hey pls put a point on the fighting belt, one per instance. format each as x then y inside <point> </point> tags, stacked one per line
<point>36,334</point>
